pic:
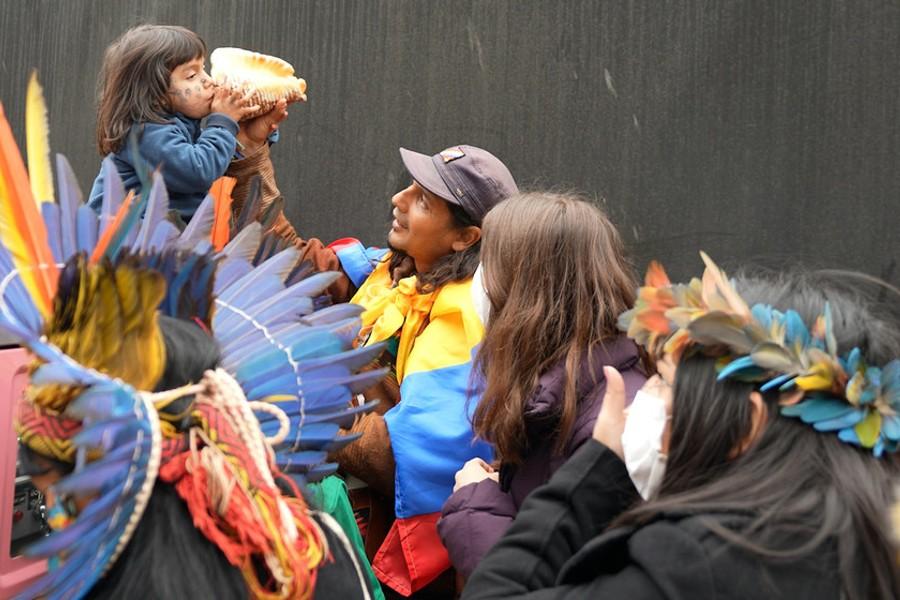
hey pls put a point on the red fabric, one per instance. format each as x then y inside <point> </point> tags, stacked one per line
<point>342,243</point>
<point>412,555</point>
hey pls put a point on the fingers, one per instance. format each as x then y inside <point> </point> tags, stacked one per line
<point>614,400</point>
<point>611,420</point>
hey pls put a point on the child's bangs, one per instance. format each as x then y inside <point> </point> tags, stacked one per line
<point>185,46</point>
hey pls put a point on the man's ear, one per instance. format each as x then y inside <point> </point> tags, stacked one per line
<point>466,237</point>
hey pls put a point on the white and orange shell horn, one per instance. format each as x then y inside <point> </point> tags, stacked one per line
<point>269,78</point>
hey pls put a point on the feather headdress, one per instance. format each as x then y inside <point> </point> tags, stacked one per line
<point>759,344</point>
<point>83,292</point>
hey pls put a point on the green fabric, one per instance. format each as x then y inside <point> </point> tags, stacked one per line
<point>331,496</point>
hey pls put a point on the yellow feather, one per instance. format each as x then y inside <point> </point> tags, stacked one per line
<point>37,137</point>
<point>21,227</point>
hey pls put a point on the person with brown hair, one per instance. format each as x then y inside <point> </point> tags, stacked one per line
<point>555,275</point>
<point>783,393</point>
<point>154,86</point>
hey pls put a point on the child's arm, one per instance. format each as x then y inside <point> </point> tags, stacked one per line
<point>191,167</point>
<point>188,166</point>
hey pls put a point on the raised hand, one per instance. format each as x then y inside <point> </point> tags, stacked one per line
<point>233,102</point>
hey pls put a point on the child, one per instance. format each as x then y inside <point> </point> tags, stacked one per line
<point>154,85</point>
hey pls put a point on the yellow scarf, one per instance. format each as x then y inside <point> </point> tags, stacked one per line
<point>392,309</point>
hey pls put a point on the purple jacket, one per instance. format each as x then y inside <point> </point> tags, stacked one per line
<point>476,516</point>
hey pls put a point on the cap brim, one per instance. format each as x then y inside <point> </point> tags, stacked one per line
<point>424,172</point>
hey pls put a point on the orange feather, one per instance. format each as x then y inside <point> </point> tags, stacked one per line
<point>21,226</point>
<point>221,192</point>
<point>108,233</point>
<point>656,276</point>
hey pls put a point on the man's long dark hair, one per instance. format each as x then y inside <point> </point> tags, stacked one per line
<point>805,492</point>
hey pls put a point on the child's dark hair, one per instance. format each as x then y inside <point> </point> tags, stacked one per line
<point>134,79</point>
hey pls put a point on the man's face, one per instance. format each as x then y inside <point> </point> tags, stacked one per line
<point>423,227</point>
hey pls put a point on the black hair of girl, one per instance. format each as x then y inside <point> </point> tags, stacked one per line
<point>135,76</point>
<point>456,266</point>
<point>184,563</point>
<point>806,493</point>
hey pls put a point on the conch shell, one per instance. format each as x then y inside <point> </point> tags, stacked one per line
<point>268,77</point>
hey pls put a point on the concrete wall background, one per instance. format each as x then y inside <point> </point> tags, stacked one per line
<point>755,129</point>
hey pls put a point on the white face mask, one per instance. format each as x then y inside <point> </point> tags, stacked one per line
<point>479,296</point>
<point>642,442</point>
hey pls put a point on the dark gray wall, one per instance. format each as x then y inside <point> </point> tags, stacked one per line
<point>755,129</point>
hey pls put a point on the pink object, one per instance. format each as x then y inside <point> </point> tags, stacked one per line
<point>15,572</point>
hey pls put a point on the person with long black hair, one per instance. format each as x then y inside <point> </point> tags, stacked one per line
<point>778,427</point>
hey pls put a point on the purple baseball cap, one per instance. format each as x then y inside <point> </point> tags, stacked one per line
<point>468,176</point>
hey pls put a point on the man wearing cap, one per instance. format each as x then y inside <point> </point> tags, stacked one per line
<point>411,450</point>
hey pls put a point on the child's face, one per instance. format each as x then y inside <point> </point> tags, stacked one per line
<point>191,90</point>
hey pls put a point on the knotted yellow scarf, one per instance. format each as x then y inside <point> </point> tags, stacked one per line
<point>392,309</point>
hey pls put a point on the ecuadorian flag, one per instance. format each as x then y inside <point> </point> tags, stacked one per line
<point>430,429</point>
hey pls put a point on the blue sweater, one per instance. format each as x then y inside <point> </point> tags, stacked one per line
<point>191,158</point>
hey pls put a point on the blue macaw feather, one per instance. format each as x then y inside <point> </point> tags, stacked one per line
<point>163,236</point>
<point>108,433</point>
<point>762,313</point>
<point>320,472</point>
<point>356,383</point>
<point>852,361</point>
<point>62,373</point>
<point>18,310</point>
<point>157,208</point>
<point>310,439</point>
<point>243,246</point>
<point>70,199</point>
<point>337,398</point>
<point>170,306</point>
<point>201,224</point>
<point>113,192</point>
<point>333,314</point>
<point>103,401</point>
<point>269,246</point>
<point>315,435</point>
<point>795,329</point>
<point>890,427</point>
<point>65,539</point>
<point>845,420</point>
<point>50,215</point>
<point>347,330</point>
<point>299,462</point>
<point>229,272</point>
<point>263,287</point>
<point>284,384</point>
<point>113,499</point>
<point>71,579</point>
<point>86,229</point>
<point>778,383</point>
<point>735,366</point>
<point>818,409</point>
<point>282,307</point>
<point>127,230</point>
<point>311,342</point>
<point>344,417</point>
<point>301,271</point>
<point>351,360</point>
<point>315,285</point>
<point>94,477</point>
<point>276,267</point>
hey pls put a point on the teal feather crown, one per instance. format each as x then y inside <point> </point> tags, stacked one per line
<point>777,350</point>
